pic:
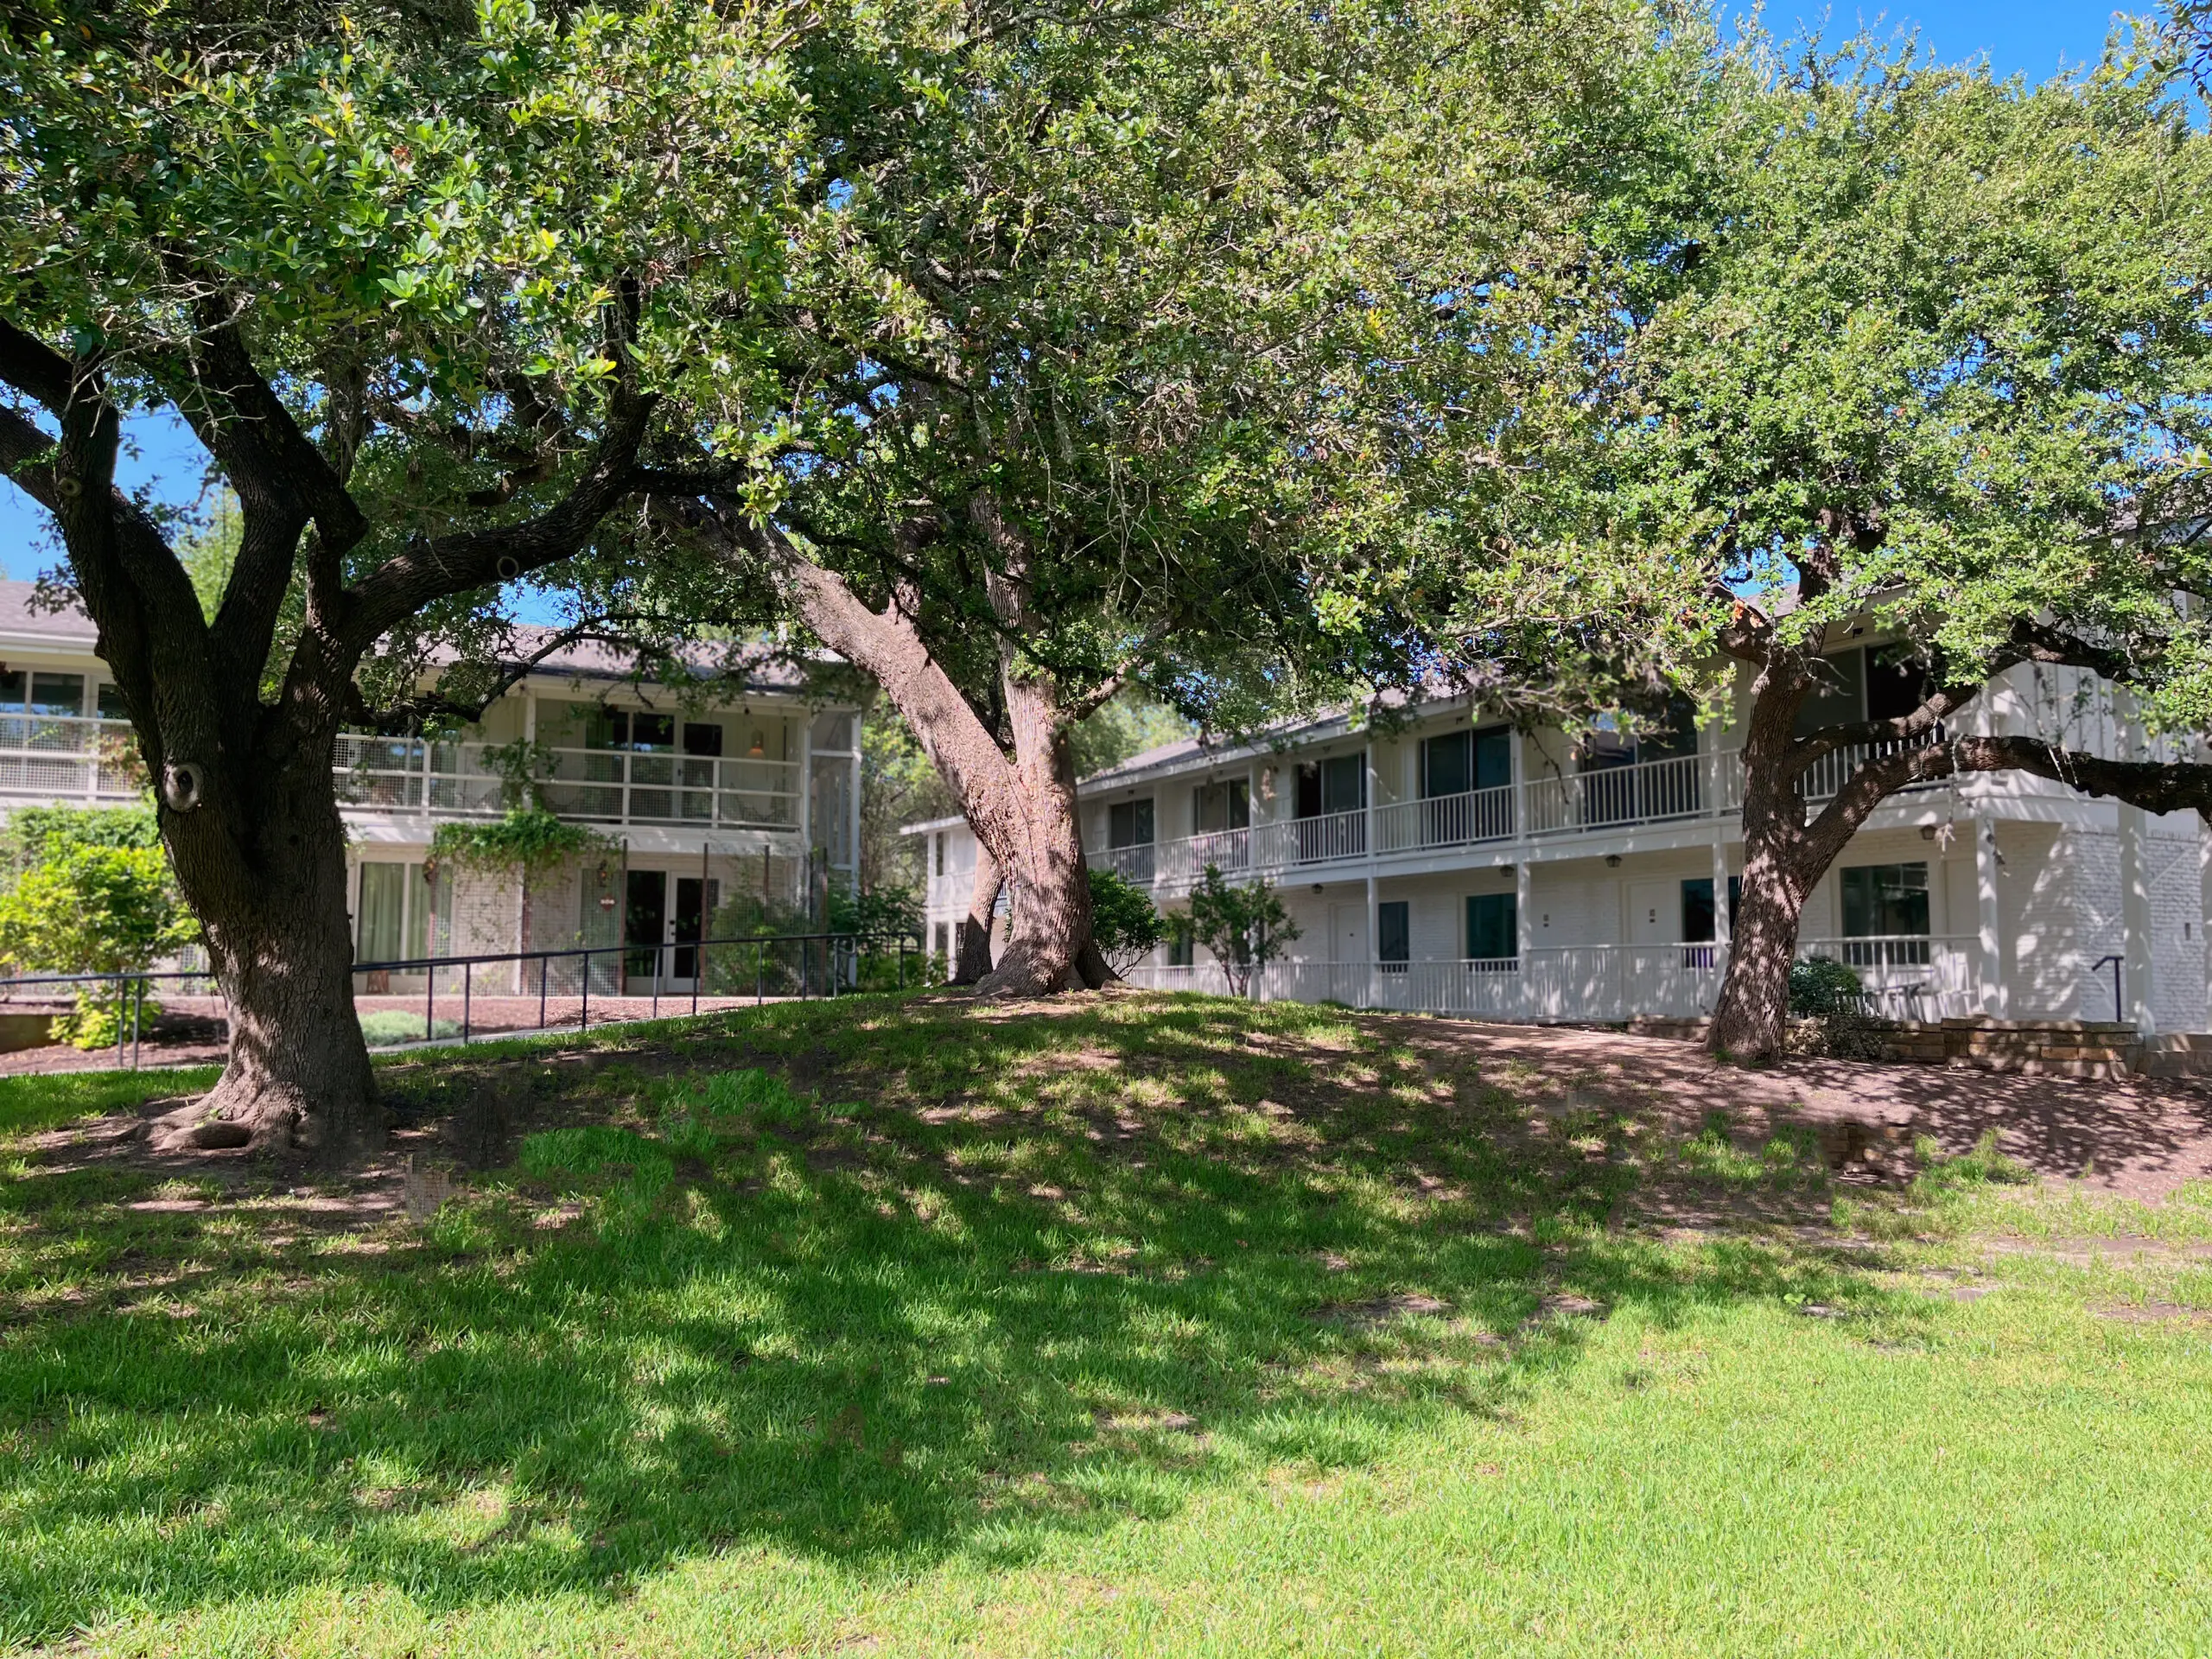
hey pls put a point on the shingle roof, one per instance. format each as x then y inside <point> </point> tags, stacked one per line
<point>22,622</point>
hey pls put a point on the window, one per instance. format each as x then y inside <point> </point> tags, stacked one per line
<point>1882,899</point>
<point>1216,807</point>
<point>110,705</point>
<point>1838,695</point>
<point>1129,824</point>
<point>944,938</point>
<point>625,729</point>
<point>1460,761</point>
<point>1886,903</point>
<point>1394,933</point>
<point>1339,784</point>
<point>1698,918</point>
<point>1178,941</point>
<point>1493,927</point>
<point>57,694</point>
<point>937,851</point>
<point>395,913</point>
<point>702,738</point>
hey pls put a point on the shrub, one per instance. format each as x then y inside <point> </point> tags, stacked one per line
<point>88,908</point>
<point>1821,987</point>
<point>1245,928</point>
<point>1122,920</point>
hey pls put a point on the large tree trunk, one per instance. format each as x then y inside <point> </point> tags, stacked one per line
<point>972,942</point>
<point>1750,1017</point>
<point>1035,822</point>
<point>1779,865</point>
<point>1022,807</point>
<point>262,860</point>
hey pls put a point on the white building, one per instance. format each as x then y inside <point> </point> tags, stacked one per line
<point>750,790</point>
<point>1453,865</point>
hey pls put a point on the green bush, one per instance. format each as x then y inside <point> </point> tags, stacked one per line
<point>92,908</point>
<point>1122,920</point>
<point>1821,988</point>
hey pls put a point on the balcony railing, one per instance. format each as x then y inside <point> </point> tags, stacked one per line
<point>67,757</point>
<point>453,779</point>
<point>1652,792</point>
<point>1905,978</point>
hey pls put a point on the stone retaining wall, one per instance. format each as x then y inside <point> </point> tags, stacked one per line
<point>2060,1048</point>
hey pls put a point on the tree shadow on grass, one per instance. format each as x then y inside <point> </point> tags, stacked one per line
<point>1004,1276</point>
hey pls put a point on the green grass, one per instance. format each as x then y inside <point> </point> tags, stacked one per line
<point>383,1028</point>
<point>1159,1326</point>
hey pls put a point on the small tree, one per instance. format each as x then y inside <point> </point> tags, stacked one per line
<point>90,909</point>
<point>1122,920</point>
<point>1246,928</point>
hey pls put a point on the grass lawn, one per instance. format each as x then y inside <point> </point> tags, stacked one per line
<point>1145,1325</point>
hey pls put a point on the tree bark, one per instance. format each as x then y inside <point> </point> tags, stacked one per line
<point>247,801</point>
<point>1749,1016</point>
<point>972,948</point>
<point>275,915</point>
<point>1021,807</point>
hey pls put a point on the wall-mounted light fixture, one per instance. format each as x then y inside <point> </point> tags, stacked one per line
<point>1317,887</point>
<point>1612,860</point>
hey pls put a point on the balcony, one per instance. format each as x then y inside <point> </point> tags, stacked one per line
<point>1655,791</point>
<point>610,786</point>
<point>62,758</point>
<point>68,758</point>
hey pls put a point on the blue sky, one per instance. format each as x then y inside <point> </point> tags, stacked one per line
<point>2031,38</point>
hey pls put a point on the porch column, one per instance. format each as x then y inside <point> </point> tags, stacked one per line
<point>1524,934</point>
<point>1374,904</point>
<point>1990,963</point>
<point>1723,926</point>
<point>2204,914</point>
<point>806,813</point>
<point>2139,961</point>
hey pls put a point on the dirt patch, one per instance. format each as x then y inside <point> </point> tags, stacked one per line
<point>2152,1313</point>
<point>1380,1312</point>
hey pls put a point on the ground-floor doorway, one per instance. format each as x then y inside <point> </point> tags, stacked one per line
<point>664,917</point>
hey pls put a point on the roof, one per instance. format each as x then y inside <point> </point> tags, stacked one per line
<point>24,626</point>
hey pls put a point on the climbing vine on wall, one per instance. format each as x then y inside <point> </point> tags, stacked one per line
<point>530,839</point>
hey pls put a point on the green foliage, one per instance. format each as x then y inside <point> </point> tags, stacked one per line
<point>898,786</point>
<point>1245,928</point>
<point>1123,726</point>
<point>210,550</point>
<point>530,839</point>
<point>385,1027</point>
<point>31,835</point>
<point>884,912</point>
<point>1822,987</point>
<point>1123,922</point>
<point>1985,1165</point>
<point>93,909</point>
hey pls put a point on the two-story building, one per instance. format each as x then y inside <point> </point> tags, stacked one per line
<point>742,790</point>
<point>1450,863</point>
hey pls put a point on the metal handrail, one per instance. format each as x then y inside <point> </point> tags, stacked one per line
<point>842,954</point>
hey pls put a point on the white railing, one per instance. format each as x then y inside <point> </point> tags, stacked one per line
<point>1131,863</point>
<point>1650,791</point>
<point>67,757</point>
<point>1820,780</point>
<point>1909,975</point>
<point>453,779</point>
<point>1905,977</point>
<point>1597,982</point>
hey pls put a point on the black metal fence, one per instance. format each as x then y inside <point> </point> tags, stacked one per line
<point>782,965</point>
